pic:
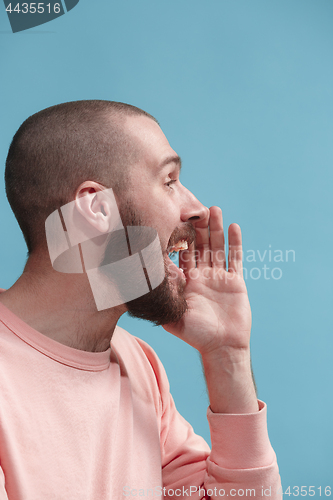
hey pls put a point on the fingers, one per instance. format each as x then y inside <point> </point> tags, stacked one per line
<point>217,245</point>
<point>209,248</point>
<point>210,240</point>
<point>202,247</point>
<point>202,242</point>
<point>235,249</point>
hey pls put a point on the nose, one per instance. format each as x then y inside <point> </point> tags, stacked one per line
<point>192,209</point>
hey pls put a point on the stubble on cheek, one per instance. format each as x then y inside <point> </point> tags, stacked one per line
<point>166,303</point>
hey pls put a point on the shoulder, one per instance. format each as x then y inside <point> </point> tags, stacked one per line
<point>140,363</point>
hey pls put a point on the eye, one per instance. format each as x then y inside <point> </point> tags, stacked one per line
<point>172,181</point>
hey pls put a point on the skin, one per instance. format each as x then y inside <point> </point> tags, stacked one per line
<point>218,320</point>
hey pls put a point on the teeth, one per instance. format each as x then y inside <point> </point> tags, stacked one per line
<point>181,245</point>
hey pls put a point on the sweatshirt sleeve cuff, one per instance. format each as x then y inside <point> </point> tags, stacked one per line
<point>240,441</point>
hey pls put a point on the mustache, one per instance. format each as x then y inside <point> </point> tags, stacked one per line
<point>186,232</point>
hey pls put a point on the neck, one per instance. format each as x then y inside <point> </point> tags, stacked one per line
<point>61,306</point>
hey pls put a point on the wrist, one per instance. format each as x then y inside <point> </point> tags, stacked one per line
<point>229,381</point>
<point>229,356</point>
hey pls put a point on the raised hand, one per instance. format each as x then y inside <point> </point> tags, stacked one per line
<point>219,313</point>
<point>218,320</point>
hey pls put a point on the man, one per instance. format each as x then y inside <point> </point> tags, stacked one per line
<point>82,420</point>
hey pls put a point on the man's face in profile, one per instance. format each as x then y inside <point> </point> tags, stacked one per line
<point>156,198</point>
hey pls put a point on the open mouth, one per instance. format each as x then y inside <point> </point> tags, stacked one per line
<point>180,240</point>
<point>179,246</point>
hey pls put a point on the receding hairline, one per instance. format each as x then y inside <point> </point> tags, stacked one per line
<point>170,158</point>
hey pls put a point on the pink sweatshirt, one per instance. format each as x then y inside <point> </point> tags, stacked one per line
<point>77,425</point>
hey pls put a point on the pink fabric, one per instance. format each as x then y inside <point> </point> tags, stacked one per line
<point>97,426</point>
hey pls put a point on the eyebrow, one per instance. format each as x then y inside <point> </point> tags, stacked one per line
<point>172,159</point>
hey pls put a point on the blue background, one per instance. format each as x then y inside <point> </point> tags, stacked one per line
<point>243,90</point>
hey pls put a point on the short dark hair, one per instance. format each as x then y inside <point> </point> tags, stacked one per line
<point>57,149</point>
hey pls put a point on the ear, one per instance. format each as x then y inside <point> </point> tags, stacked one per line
<point>94,206</point>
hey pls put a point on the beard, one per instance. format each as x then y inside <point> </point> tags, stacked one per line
<point>166,303</point>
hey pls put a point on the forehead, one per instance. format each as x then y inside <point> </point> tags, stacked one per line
<point>154,148</point>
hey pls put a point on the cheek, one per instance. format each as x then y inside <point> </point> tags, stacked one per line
<point>161,208</point>
<point>158,209</point>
